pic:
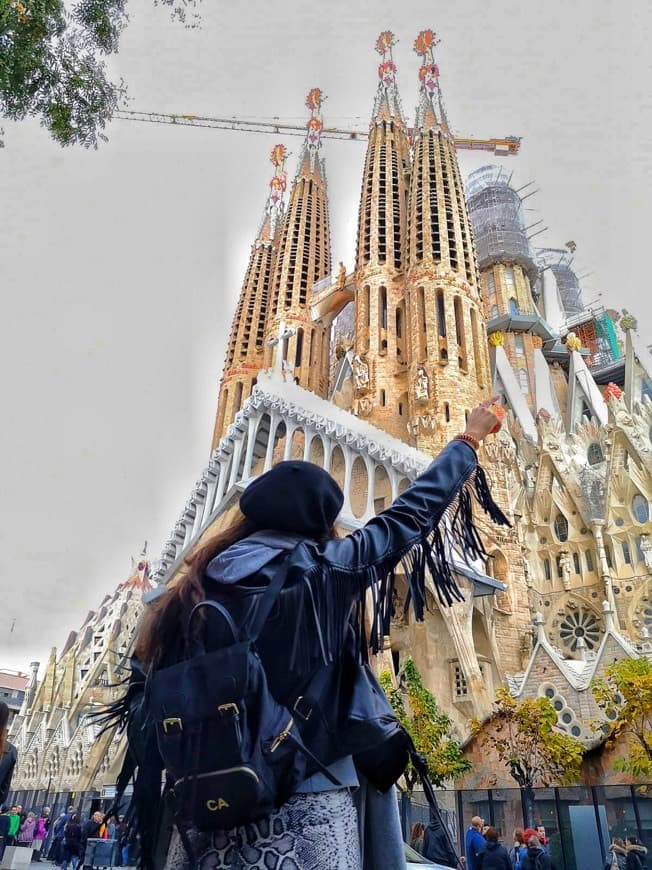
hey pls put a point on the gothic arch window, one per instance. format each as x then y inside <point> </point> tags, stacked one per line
<point>513,306</point>
<point>298,352</point>
<point>491,285</point>
<point>589,561</point>
<point>594,454</point>
<point>561,527</point>
<point>519,345</point>
<point>640,508</point>
<point>494,311</point>
<point>546,569</point>
<point>237,401</point>
<point>576,563</point>
<point>509,277</point>
<point>382,301</point>
<point>383,398</point>
<point>524,381</point>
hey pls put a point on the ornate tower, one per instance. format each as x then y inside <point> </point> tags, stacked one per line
<point>447,351</point>
<point>294,342</point>
<point>380,331</point>
<point>508,272</point>
<point>244,358</point>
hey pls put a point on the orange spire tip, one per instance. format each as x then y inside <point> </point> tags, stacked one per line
<point>386,72</point>
<point>385,42</point>
<point>279,155</point>
<point>314,99</point>
<point>425,42</point>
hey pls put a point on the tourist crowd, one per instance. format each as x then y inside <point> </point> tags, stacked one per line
<point>530,849</point>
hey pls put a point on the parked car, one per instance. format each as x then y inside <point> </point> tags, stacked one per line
<point>416,861</point>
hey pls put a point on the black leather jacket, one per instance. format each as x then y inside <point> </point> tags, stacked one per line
<point>321,607</point>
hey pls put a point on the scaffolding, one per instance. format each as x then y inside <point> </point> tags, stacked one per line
<point>559,261</point>
<point>496,213</point>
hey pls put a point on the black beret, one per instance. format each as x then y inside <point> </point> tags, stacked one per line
<point>295,497</point>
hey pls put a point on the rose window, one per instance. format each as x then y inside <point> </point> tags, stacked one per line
<point>577,624</point>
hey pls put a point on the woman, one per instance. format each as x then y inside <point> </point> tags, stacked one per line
<point>617,857</point>
<point>288,517</point>
<point>416,837</point>
<point>28,830</point>
<point>518,849</point>
<point>494,856</point>
<point>8,754</point>
<point>636,854</point>
<point>72,843</point>
<point>40,833</point>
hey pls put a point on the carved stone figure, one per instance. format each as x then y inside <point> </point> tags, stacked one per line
<point>360,373</point>
<point>421,390</point>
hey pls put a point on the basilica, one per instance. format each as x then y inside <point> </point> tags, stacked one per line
<point>368,371</point>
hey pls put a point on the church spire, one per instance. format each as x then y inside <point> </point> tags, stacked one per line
<point>304,258</point>
<point>244,357</point>
<point>387,105</point>
<point>380,329</point>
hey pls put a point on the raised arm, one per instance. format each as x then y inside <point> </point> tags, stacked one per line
<point>413,529</point>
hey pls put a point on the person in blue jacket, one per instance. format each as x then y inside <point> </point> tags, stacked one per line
<point>474,842</point>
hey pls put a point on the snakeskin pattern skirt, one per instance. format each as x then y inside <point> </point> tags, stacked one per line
<point>309,832</point>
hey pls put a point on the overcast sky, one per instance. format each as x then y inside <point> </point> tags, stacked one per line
<point>120,268</point>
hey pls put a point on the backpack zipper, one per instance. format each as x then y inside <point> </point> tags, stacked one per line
<point>285,733</point>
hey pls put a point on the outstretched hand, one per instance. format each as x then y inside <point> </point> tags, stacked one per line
<point>482,420</point>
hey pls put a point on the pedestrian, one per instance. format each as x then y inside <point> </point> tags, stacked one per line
<point>617,855</point>
<point>40,834</point>
<point>494,856</point>
<point>5,823</point>
<point>518,849</point>
<point>14,826</point>
<point>93,829</point>
<point>121,839</point>
<point>536,857</point>
<point>8,754</point>
<point>474,842</point>
<point>416,837</point>
<point>28,830</point>
<point>636,854</point>
<point>437,845</point>
<point>72,843</point>
<point>55,853</point>
<point>288,521</point>
<point>540,831</point>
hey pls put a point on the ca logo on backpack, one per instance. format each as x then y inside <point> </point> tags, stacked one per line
<point>232,751</point>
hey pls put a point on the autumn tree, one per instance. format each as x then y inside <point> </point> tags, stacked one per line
<point>625,697</point>
<point>430,728</point>
<point>52,62</point>
<point>527,740</point>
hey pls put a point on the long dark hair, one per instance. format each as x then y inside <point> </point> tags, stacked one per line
<point>165,618</point>
<point>4,718</point>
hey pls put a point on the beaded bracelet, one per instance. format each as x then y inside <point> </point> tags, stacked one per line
<point>468,439</point>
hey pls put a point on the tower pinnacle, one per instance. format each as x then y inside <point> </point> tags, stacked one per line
<point>430,111</point>
<point>310,163</point>
<point>387,106</point>
<point>277,186</point>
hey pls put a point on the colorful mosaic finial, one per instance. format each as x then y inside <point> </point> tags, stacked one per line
<point>315,125</point>
<point>385,42</point>
<point>612,391</point>
<point>431,99</point>
<point>628,321</point>
<point>573,342</point>
<point>278,184</point>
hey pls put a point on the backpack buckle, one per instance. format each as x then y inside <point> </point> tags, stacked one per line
<point>230,707</point>
<point>174,722</point>
<point>305,713</point>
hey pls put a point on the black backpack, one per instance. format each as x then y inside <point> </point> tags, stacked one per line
<point>232,753</point>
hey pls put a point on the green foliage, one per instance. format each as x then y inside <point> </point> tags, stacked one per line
<point>526,740</point>
<point>52,63</point>
<point>625,697</point>
<point>430,728</point>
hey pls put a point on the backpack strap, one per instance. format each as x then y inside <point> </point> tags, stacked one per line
<point>268,598</point>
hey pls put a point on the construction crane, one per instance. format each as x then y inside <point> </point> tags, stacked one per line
<point>509,145</point>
